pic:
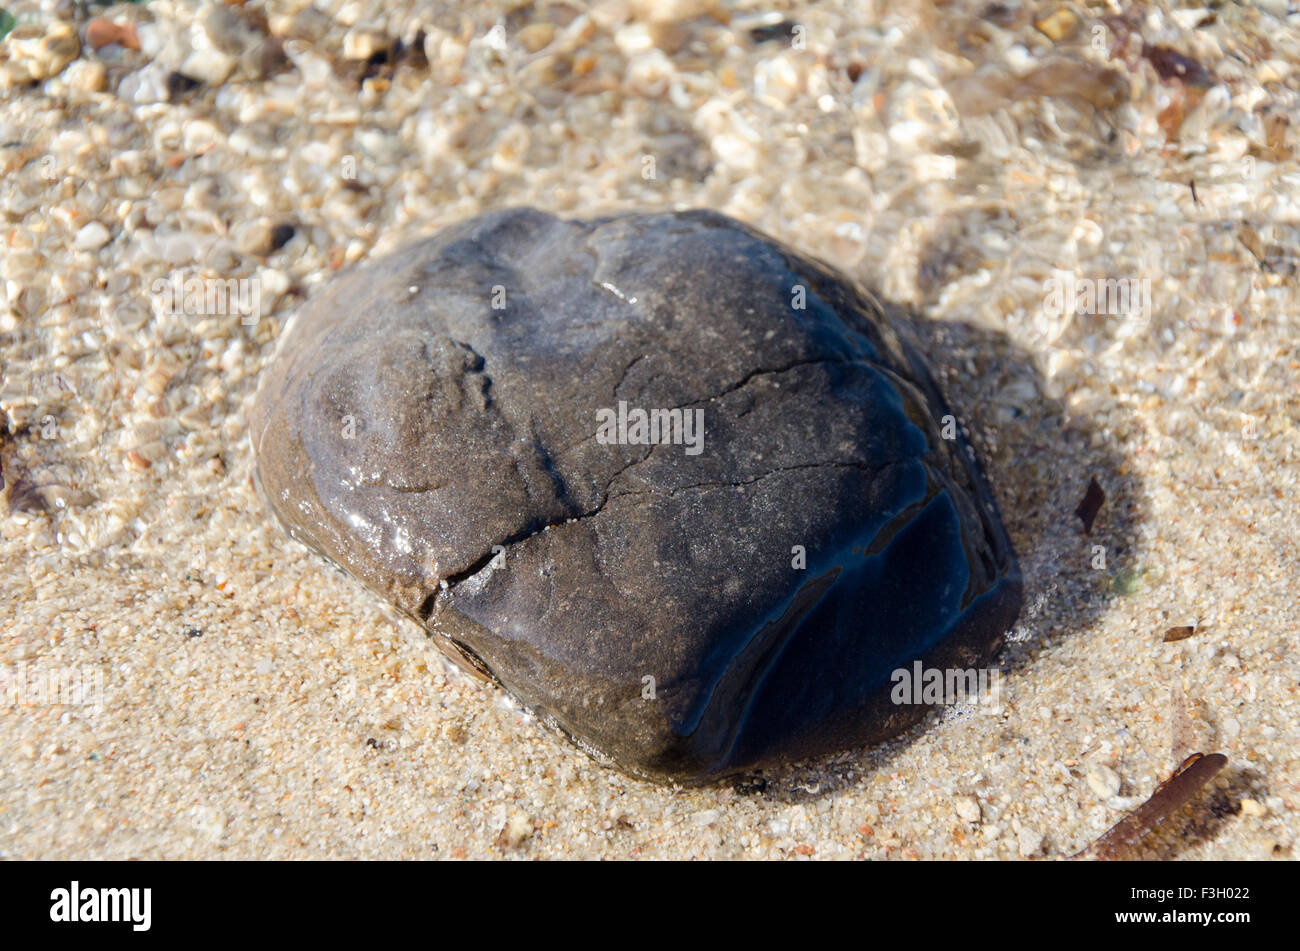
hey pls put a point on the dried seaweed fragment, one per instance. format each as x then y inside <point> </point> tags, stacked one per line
<point>1171,795</point>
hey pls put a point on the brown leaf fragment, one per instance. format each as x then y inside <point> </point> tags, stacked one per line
<point>1170,796</point>
<point>1093,499</point>
<point>1059,25</point>
<point>1249,239</point>
<point>1100,86</point>
<point>1275,127</point>
<point>1183,100</point>
<point>1171,64</point>
<point>25,496</point>
<point>101,32</point>
<point>1001,14</point>
<point>1179,633</point>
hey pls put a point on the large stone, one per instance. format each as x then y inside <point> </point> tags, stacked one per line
<point>437,423</point>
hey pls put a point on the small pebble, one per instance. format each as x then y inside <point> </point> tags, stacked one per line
<point>101,32</point>
<point>37,53</point>
<point>137,462</point>
<point>1058,25</point>
<point>535,36</point>
<point>92,237</point>
<point>86,76</point>
<point>1028,842</point>
<point>1253,807</point>
<point>363,44</point>
<point>967,808</point>
<point>210,66</point>
<point>265,237</point>
<point>308,24</point>
<point>518,829</point>
<point>1103,781</point>
<point>145,86</point>
<point>241,37</point>
<point>455,732</point>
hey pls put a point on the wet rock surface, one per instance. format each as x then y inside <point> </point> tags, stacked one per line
<point>457,425</point>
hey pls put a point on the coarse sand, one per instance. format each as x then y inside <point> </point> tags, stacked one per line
<point>1093,212</point>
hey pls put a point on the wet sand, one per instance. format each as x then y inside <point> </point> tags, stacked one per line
<point>246,700</point>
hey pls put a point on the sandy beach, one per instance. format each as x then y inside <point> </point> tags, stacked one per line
<point>1091,209</point>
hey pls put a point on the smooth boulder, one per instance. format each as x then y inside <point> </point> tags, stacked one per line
<point>493,429</point>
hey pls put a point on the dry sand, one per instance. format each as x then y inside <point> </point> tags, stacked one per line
<point>248,701</point>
